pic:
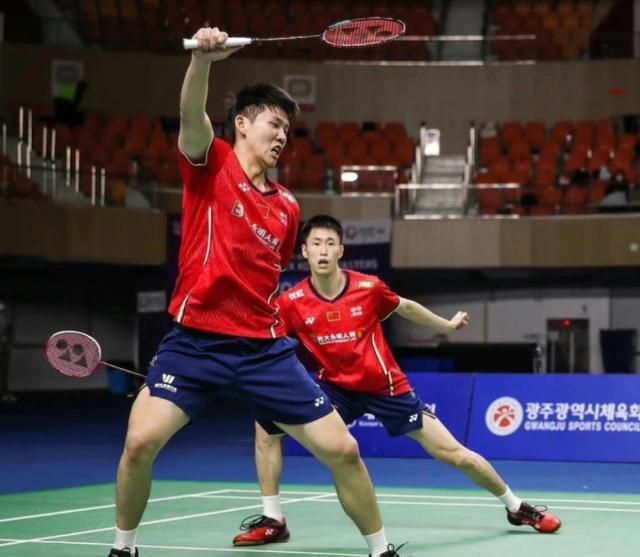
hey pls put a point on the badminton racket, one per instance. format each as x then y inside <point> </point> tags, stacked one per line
<point>77,355</point>
<point>350,33</point>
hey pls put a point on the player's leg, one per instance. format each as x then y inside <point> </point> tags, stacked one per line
<point>271,526</point>
<point>329,440</point>
<point>436,439</point>
<point>279,390</point>
<point>268,454</point>
<point>186,371</point>
<point>153,421</point>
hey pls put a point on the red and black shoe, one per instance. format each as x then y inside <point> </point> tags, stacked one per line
<point>536,517</point>
<point>260,529</point>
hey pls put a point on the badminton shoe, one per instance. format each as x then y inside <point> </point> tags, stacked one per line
<point>391,551</point>
<point>536,517</point>
<point>126,552</point>
<point>260,529</point>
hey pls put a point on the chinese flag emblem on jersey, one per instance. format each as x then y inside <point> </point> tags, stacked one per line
<point>333,316</point>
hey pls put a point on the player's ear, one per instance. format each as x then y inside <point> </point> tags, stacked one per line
<point>241,124</point>
<point>341,252</point>
<point>304,251</point>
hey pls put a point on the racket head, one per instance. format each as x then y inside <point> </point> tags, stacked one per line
<point>363,31</point>
<point>73,353</point>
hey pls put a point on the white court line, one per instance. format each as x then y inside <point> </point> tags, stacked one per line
<point>492,505</point>
<point>219,549</point>
<point>110,506</point>
<point>447,497</point>
<point>450,504</point>
<point>160,521</point>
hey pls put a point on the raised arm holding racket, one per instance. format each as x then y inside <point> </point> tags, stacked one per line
<point>238,232</point>
<point>350,33</point>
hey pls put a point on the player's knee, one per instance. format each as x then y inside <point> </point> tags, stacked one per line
<point>139,447</point>
<point>344,453</point>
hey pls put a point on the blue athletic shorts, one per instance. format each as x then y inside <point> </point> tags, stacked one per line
<point>191,367</point>
<point>399,414</point>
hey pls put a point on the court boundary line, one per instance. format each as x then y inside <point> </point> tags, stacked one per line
<point>223,494</point>
<point>157,521</point>
<point>213,549</point>
<point>109,506</point>
<point>446,497</point>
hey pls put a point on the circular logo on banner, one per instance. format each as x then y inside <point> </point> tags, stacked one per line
<point>504,416</point>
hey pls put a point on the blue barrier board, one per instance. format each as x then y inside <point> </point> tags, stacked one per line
<point>556,417</point>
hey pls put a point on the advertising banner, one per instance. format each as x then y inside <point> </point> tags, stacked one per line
<point>556,417</point>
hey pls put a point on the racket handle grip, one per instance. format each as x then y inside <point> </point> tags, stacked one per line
<point>232,42</point>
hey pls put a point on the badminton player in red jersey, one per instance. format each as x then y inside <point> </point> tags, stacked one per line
<point>336,314</point>
<point>238,233</point>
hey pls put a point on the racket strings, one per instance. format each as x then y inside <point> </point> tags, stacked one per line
<point>73,354</point>
<point>363,32</point>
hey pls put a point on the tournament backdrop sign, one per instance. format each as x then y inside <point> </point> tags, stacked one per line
<point>448,395</point>
<point>557,417</point>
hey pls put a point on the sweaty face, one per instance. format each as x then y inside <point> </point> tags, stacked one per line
<point>323,250</point>
<point>266,135</point>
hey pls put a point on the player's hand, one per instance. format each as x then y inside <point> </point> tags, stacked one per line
<point>211,45</point>
<point>459,320</point>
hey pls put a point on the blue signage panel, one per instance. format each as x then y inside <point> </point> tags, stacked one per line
<point>556,417</point>
<point>448,395</point>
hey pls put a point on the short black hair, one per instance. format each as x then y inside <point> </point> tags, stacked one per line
<point>252,100</point>
<point>321,221</point>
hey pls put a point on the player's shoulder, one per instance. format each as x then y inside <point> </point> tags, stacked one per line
<point>297,292</point>
<point>287,196</point>
<point>222,146</point>
<point>363,281</point>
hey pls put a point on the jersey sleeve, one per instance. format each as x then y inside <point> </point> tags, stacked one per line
<point>195,174</point>
<point>289,243</point>
<point>387,301</point>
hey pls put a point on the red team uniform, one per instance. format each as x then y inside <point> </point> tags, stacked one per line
<point>229,337</point>
<point>345,335</point>
<point>235,242</point>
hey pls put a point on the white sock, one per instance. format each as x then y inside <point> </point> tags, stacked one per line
<point>510,500</point>
<point>377,543</point>
<point>271,507</point>
<point>125,538</point>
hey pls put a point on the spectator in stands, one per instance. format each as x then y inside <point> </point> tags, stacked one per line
<point>581,177</point>
<point>617,193</point>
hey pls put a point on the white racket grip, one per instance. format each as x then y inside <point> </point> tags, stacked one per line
<point>231,42</point>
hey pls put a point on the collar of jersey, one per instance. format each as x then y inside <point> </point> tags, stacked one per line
<point>342,292</point>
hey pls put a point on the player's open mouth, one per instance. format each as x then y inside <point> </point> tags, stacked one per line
<point>323,263</point>
<point>276,150</point>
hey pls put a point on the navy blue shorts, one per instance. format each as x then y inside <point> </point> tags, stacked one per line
<point>399,414</point>
<point>191,367</point>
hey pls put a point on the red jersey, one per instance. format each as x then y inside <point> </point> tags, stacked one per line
<point>235,241</point>
<point>344,335</point>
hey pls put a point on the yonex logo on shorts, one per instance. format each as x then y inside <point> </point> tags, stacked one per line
<point>413,418</point>
<point>319,401</point>
<point>168,379</point>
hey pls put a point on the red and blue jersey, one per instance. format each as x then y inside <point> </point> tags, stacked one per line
<point>235,241</point>
<point>344,335</point>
